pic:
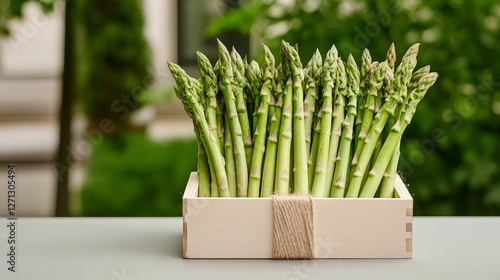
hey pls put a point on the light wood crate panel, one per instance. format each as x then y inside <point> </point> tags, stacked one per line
<point>343,227</point>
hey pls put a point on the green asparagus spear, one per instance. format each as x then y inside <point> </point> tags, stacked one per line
<point>321,164</point>
<point>209,80</point>
<point>261,132</point>
<point>366,71</point>
<point>373,85</point>
<point>340,93</point>
<point>403,73</point>
<point>340,178</point>
<point>226,70</point>
<point>187,93</point>
<point>229,158</point>
<point>220,107</point>
<point>390,173</point>
<point>254,78</point>
<point>282,179</point>
<point>312,86</point>
<point>203,165</point>
<point>376,173</point>
<point>268,173</point>
<point>389,178</point>
<point>391,56</point>
<point>299,135</point>
<point>283,156</point>
<point>239,83</point>
<point>417,76</point>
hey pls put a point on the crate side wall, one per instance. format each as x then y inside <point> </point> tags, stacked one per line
<point>344,228</point>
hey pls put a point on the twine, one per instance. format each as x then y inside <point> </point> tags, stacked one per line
<point>293,227</point>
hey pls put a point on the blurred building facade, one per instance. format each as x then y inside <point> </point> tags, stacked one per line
<point>30,72</point>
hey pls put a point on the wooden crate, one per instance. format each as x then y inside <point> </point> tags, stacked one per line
<point>343,227</point>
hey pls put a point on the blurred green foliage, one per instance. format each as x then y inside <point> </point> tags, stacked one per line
<point>13,9</point>
<point>133,176</point>
<point>127,175</point>
<point>114,60</point>
<point>451,152</point>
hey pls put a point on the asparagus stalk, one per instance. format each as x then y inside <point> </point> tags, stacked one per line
<point>285,142</point>
<point>229,158</point>
<point>366,70</point>
<point>268,173</point>
<point>314,117</point>
<point>300,182</point>
<point>312,85</point>
<point>403,73</point>
<point>388,79</point>
<point>417,76</point>
<point>282,176</point>
<point>223,133</point>
<point>386,88</point>
<point>261,132</point>
<point>239,83</point>
<point>313,155</point>
<point>187,93</point>
<point>341,169</point>
<point>383,94</point>
<point>390,174</point>
<point>373,86</point>
<point>209,80</point>
<point>234,123</point>
<point>340,93</point>
<point>203,166</point>
<point>376,173</point>
<point>203,172</point>
<point>206,185</point>
<point>391,56</point>
<point>310,88</point>
<point>198,89</point>
<point>236,100</point>
<point>402,100</point>
<point>248,97</point>
<point>321,164</point>
<point>272,101</point>
<point>389,178</point>
<point>220,108</point>
<point>391,61</point>
<point>254,78</point>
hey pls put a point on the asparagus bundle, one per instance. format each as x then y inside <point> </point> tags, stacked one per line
<point>329,129</point>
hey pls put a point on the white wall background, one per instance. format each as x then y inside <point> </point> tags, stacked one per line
<point>36,45</point>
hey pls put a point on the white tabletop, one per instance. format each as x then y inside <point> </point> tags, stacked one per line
<point>151,248</point>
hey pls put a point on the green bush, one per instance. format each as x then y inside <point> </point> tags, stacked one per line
<point>14,9</point>
<point>135,176</point>
<point>450,153</point>
<point>114,61</point>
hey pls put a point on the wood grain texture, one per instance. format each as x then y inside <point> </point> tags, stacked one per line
<point>343,227</point>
